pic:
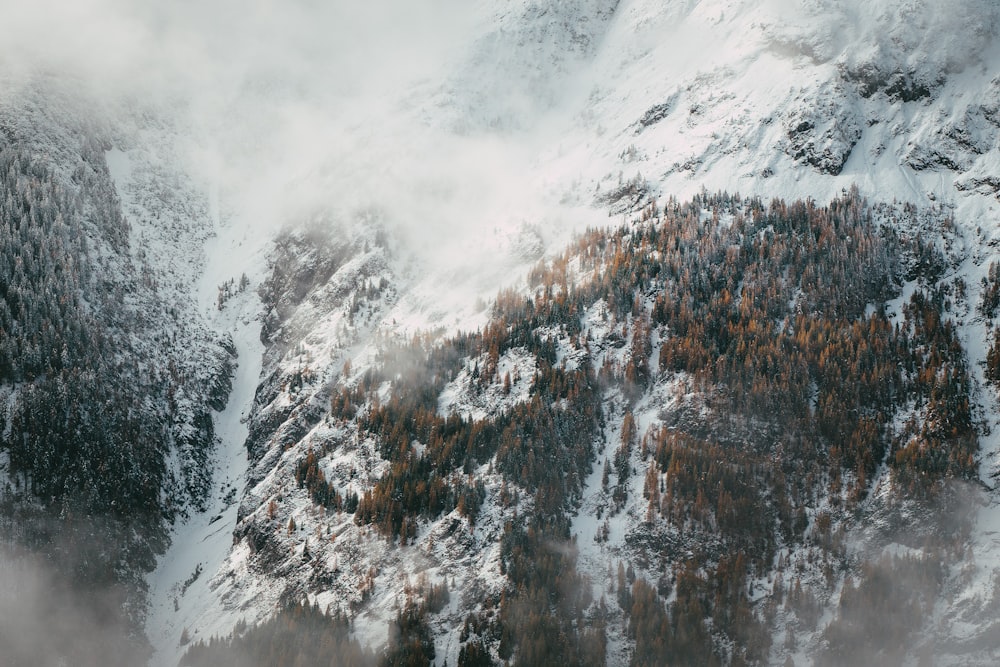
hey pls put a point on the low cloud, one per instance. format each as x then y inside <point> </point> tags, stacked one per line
<point>44,622</point>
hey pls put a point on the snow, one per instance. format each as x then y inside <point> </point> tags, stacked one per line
<point>197,249</point>
<point>203,542</point>
<point>462,397</point>
<point>477,170</point>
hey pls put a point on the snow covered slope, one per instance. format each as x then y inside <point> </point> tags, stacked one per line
<point>390,179</point>
<point>585,113</point>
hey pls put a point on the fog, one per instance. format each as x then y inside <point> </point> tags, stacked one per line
<point>211,50</point>
<point>293,108</point>
<point>44,620</point>
<point>292,111</point>
<point>438,115</point>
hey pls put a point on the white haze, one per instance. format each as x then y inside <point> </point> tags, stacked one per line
<point>296,107</point>
<point>289,110</point>
<point>42,620</point>
<point>293,108</point>
<point>439,113</point>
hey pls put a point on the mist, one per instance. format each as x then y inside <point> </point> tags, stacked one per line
<point>45,620</point>
<point>288,113</point>
<point>294,110</point>
<point>445,121</point>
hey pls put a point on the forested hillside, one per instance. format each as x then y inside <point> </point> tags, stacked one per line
<point>747,375</point>
<point>106,427</point>
<point>394,334</point>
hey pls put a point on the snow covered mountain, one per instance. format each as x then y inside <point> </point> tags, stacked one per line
<point>337,196</point>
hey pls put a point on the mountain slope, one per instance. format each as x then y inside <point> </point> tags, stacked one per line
<point>345,217</point>
<point>798,104</point>
<point>108,388</point>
